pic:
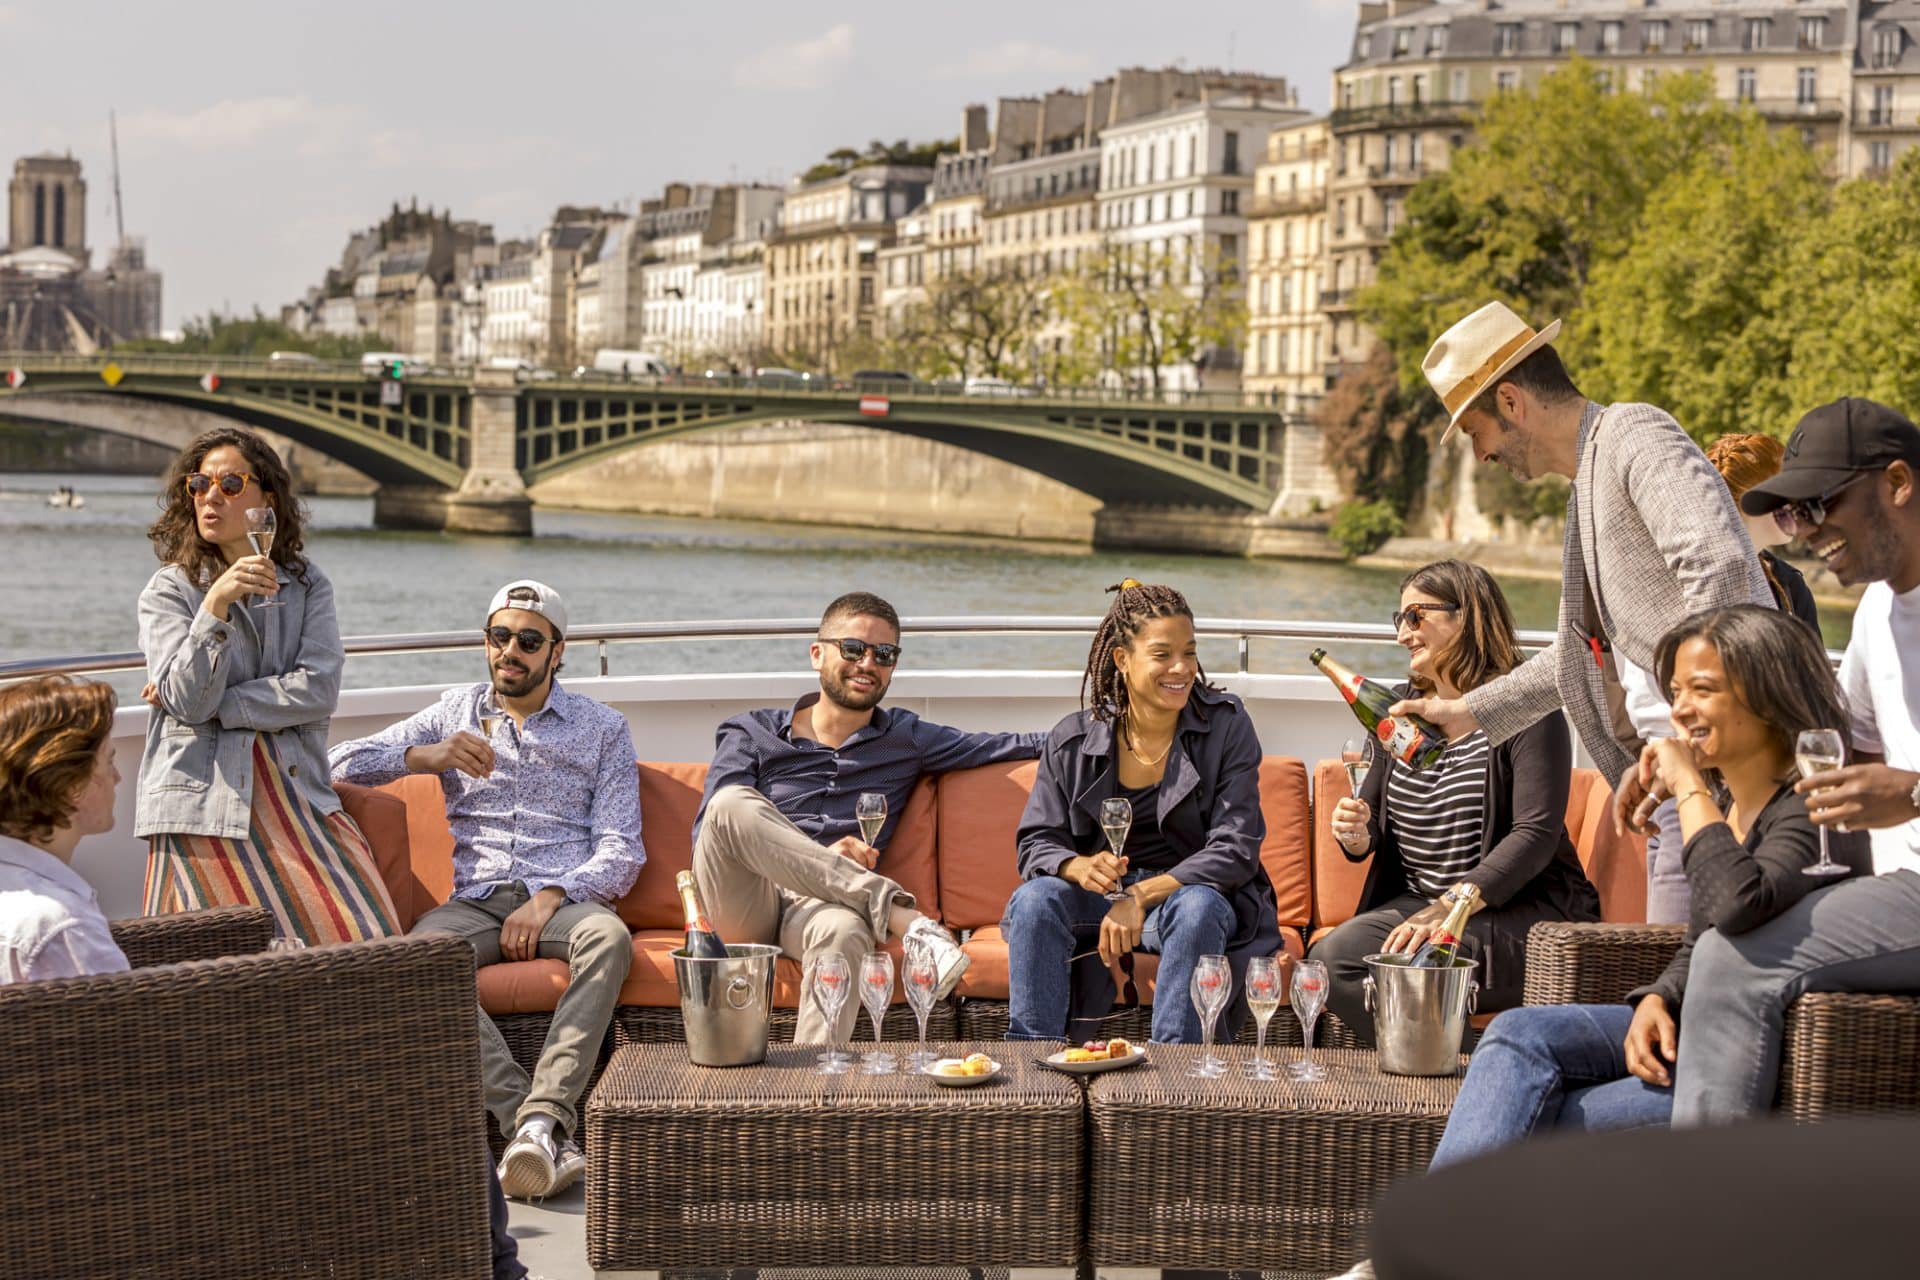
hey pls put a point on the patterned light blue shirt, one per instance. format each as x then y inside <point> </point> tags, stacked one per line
<point>562,806</point>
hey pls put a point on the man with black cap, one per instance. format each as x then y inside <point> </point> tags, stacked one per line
<point>1850,489</point>
<point>544,802</point>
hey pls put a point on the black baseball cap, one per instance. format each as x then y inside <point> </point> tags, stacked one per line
<point>1832,444</point>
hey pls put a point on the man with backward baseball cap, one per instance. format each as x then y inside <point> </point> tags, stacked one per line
<point>544,803</point>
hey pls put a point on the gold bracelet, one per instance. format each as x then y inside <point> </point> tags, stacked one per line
<point>1688,795</point>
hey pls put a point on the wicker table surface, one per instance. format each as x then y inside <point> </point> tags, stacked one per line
<point>776,1165</point>
<point>1235,1173</point>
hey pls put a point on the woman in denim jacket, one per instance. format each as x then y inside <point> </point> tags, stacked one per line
<point>243,662</point>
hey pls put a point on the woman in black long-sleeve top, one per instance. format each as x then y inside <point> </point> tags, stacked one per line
<point>1189,882</point>
<point>1490,816</point>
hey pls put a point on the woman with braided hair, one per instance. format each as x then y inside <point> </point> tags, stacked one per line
<point>1189,882</point>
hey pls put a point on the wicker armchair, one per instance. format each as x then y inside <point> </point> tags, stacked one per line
<point>306,1114</point>
<point>1841,1054</point>
<point>193,935</point>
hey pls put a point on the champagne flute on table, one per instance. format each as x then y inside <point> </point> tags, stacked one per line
<point>1309,998</point>
<point>871,810</point>
<point>1211,988</point>
<point>1819,751</point>
<point>919,977</point>
<point>1116,820</point>
<point>1263,998</point>
<point>260,527</point>
<point>876,992</point>
<point>830,981</point>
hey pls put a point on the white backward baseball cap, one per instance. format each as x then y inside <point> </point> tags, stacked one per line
<point>534,597</point>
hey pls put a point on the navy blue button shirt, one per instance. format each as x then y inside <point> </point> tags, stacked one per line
<point>816,786</point>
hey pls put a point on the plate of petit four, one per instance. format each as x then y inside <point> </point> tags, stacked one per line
<point>1096,1056</point>
<point>975,1068</point>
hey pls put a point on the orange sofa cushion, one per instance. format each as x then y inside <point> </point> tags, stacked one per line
<point>669,797</point>
<point>1287,852</point>
<point>382,818</point>
<point>979,815</point>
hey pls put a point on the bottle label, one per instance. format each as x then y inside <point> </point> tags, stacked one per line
<point>1401,740</point>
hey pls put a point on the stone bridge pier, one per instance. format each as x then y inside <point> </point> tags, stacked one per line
<point>492,498</point>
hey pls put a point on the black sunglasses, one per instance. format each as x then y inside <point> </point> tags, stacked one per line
<point>530,641</point>
<point>233,484</point>
<point>853,650</point>
<point>1415,614</point>
<point>1812,513</point>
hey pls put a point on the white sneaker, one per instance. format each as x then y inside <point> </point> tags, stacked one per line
<point>1362,1270</point>
<point>949,960</point>
<point>528,1168</point>
<point>568,1167</point>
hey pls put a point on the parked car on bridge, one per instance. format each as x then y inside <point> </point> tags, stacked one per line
<point>980,385</point>
<point>292,357</point>
<point>522,368</point>
<point>774,376</point>
<point>878,380</point>
<point>627,364</point>
<point>379,363</point>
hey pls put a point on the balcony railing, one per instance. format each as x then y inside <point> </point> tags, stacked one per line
<point>1399,114</point>
<point>1276,206</point>
<point>1404,173</point>
<point>1799,108</point>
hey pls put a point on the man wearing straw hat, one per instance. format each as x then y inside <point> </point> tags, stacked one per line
<point>1652,538</point>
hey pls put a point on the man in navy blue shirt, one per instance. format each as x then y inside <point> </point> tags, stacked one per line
<point>776,846</point>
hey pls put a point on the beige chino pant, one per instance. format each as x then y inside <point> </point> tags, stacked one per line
<point>598,949</point>
<point>764,880</point>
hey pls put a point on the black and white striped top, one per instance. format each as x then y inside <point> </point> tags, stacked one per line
<point>1438,815</point>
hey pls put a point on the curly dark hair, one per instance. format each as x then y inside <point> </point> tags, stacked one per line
<point>1103,690</point>
<point>50,731</point>
<point>176,535</point>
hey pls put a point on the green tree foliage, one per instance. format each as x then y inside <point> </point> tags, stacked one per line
<point>257,335</point>
<point>1377,432</point>
<point>1701,315</point>
<point>972,322</point>
<point>1135,312</point>
<point>900,151</point>
<point>1552,186</point>
<point>1850,297</point>
<point>1361,527</point>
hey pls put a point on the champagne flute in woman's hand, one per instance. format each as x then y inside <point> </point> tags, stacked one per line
<point>1353,758</point>
<point>1116,820</point>
<point>260,528</point>
<point>1820,751</point>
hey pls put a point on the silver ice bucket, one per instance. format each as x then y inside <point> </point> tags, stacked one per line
<point>1419,1015</point>
<point>724,1004</point>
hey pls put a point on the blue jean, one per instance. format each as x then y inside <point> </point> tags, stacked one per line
<point>1668,893</point>
<point>1049,920</point>
<point>1545,1067</point>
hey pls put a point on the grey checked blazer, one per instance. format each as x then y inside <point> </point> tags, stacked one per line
<point>1651,525</point>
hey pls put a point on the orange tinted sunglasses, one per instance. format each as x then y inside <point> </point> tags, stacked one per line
<point>233,484</point>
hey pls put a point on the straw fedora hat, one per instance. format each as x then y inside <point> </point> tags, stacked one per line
<point>1471,356</point>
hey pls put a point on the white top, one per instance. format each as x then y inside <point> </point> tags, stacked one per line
<point>51,925</point>
<point>1884,699</point>
<point>1651,715</point>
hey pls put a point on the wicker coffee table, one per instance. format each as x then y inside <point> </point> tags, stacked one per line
<point>773,1165</point>
<point>1240,1174</point>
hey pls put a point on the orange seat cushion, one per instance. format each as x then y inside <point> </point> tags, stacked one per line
<point>978,818</point>
<point>1337,883</point>
<point>382,819</point>
<point>1287,852</point>
<point>669,797</point>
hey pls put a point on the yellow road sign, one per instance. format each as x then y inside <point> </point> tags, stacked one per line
<point>112,374</point>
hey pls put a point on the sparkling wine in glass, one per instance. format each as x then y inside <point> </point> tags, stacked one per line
<point>830,984</point>
<point>1211,988</point>
<point>260,527</point>
<point>1116,820</point>
<point>1309,998</point>
<point>1263,998</point>
<point>871,810</point>
<point>489,716</point>
<point>920,976</point>
<point>1353,758</point>
<point>876,992</point>
<point>1821,751</point>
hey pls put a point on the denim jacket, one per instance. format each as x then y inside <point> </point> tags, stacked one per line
<point>270,671</point>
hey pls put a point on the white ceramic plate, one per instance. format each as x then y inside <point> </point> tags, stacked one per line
<point>958,1082</point>
<point>1094,1068</point>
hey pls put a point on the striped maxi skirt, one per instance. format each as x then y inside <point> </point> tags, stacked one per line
<point>315,873</point>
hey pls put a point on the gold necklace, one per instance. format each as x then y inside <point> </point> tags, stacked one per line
<point>1127,735</point>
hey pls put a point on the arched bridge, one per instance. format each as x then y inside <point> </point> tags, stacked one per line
<point>459,448</point>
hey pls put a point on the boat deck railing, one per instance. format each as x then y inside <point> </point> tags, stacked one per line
<point>1243,631</point>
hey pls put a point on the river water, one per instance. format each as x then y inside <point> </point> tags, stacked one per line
<point>72,578</point>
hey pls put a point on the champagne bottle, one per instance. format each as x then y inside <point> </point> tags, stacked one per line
<point>1444,945</point>
<point>1412,741</point>
<point>702,942</point>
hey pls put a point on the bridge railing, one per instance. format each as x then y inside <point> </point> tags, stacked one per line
<point>806,386</point>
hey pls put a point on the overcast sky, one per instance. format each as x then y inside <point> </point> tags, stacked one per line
<point>254,137</point>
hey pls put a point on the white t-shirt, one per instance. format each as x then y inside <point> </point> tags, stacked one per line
<point>1884,700</point>
<point>1648,710</point>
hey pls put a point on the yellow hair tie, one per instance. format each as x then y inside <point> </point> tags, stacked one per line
<point>1128,584</point>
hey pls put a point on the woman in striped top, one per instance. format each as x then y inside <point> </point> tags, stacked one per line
<point>1492,815</point>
